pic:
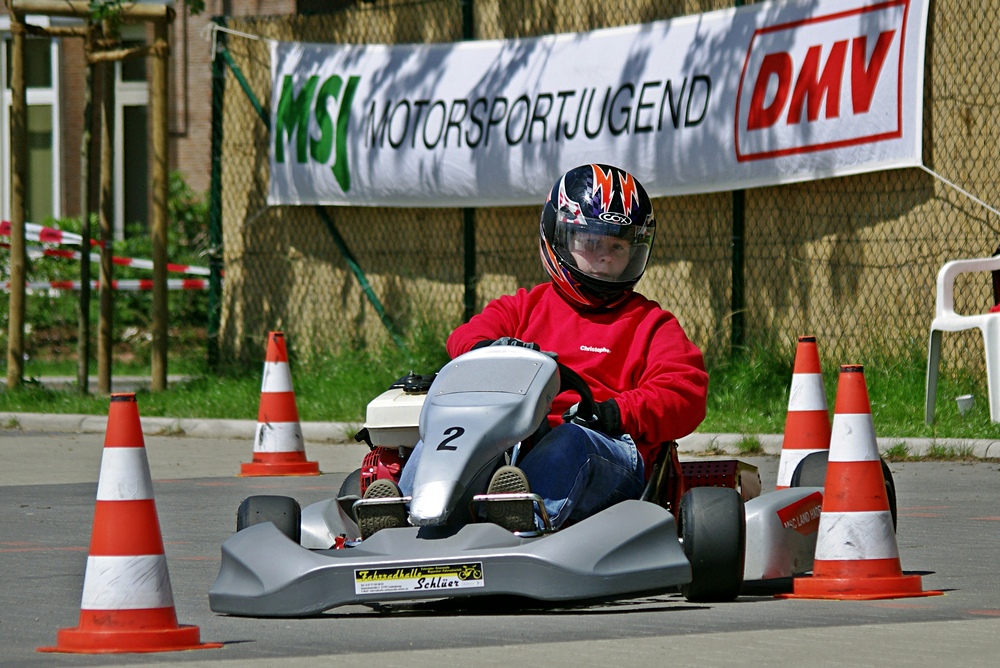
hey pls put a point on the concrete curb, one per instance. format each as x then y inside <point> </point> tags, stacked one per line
<point>328,432</point>
<point>343,432</point>
<point>771,443</point>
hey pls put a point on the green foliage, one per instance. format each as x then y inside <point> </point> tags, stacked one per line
<point>750,446</point>
<point>51,320</point>
<point>898,452</point>
<point>941,452</point>
<point>110,13</point>
<point>333,387</point>
<point>749,395</point>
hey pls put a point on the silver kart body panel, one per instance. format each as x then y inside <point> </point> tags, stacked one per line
<point>480,405</point>
<point>631,547</point>
<point>781,533</point>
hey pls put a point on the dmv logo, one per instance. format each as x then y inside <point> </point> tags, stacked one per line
<point>302,115</point>
<point>822,83</point>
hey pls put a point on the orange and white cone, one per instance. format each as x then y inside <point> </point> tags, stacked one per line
<point>807,424</point>
<point>127,604</point>
<point>278,447</point>
<point>856,553</point>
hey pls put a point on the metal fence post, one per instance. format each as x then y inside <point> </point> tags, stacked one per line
<point>215,200</point>
<point>469,214</point>
<point>738,297</point>
<point>737,338</point>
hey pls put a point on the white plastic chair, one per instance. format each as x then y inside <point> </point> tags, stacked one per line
<point>946,320</point>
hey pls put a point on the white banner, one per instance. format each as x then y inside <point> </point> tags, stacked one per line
<point>761,95</point>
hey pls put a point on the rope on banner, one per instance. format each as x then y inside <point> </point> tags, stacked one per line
<point>210,33</point>
<point>959,189</point>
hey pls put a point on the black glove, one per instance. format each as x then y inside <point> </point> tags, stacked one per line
<point>505,341</point>
<point>607,418</point>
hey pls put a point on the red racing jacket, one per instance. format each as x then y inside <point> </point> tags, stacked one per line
<point>636,353</point>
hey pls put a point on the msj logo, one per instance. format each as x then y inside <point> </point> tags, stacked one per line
<point>302,115</point>
<point>822,83</point>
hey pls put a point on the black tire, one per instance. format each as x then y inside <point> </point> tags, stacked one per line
<point>713,532</point>
<point>281,511</point>
<point>811,472</point>
<point>890,491</point>
<point>351,485</point>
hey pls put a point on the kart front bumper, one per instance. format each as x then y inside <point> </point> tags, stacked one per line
<point>629,548</point>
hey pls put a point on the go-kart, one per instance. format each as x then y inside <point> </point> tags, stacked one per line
<point>702,527</point>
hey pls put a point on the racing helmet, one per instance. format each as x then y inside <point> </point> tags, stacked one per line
<point>596,234</point>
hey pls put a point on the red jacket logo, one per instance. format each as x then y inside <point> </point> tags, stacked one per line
<point>821,83</point>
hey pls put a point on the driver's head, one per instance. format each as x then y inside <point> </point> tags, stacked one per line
<point>596,232</point>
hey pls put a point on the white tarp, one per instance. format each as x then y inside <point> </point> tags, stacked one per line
<point>770,93</point>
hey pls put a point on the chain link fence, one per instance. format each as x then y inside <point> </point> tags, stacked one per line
<point>851,260</point>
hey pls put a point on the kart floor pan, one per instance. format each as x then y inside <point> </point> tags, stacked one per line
<point>631,547</point>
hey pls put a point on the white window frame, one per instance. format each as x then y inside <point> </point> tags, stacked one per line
<point>127,94</point>
<point>35,96</point>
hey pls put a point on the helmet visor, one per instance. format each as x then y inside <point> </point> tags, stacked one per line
<point>607,250</point>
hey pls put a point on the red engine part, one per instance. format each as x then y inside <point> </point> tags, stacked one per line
<point>380,463</point>
<point>730,473</point>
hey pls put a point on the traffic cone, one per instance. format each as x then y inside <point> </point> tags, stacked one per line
<point>856,553</point>
<point>127,602</point>
<point>278,448</point>
<point>807,424</point>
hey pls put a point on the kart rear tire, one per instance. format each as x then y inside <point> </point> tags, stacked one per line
<point>811,472</point>
<point>351,485</point>
<point>713,532</point>
<point>282,511</point>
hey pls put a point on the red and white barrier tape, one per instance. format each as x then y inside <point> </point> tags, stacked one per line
<point>135,263</point>
<point>130,285</point>
<point>51,235</point>
<point>45,235</point>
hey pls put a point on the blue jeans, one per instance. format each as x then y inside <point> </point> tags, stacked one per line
<point>577,472</point>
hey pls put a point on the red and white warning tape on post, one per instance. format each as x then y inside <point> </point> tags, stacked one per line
<point>125,284</point>
<point>135,263</point>
<point>50,235</point>
<point>46,235</point>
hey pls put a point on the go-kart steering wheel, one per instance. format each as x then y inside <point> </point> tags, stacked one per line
<point>571,380</point>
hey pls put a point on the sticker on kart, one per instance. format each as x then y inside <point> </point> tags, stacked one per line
<point>441,577</point>
<point>803,515</point>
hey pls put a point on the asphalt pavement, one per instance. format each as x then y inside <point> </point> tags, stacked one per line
<point>948,534</point>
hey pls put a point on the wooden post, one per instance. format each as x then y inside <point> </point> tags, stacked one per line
<point>19,169</point>
<point>131,12</point>
<point>158,101</point>
<point>105,330</point>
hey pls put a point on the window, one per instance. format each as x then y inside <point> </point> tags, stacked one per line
<point>41,56</point>
<point>132,186</point>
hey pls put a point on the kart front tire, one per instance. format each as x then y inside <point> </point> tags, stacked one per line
<point>282,511</point>
<point>713,532</point>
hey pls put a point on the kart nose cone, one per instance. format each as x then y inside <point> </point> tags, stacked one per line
<point>431,502</point>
